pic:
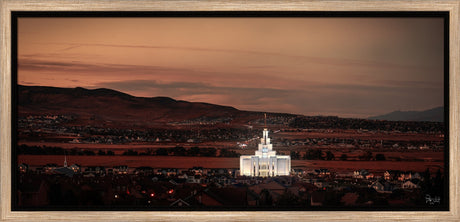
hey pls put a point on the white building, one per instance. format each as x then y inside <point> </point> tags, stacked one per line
<point>265,162</point>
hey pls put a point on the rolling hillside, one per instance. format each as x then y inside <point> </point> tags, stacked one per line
<point>431,115</point>
<point>110,107</point>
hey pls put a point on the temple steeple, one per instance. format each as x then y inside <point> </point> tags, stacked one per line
<point>265,120</point>
<point>65,160</point>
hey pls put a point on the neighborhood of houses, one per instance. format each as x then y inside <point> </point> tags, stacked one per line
<point>197,187</point>
<point>54,185</point>
<point>58,128</point>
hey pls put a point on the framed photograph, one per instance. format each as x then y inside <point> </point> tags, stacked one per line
<point>229,111</point>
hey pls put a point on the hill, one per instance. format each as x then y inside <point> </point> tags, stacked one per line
<point>106,107</point>
<point>431,115</point>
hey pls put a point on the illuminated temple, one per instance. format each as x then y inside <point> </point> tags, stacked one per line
<point>265,162</point>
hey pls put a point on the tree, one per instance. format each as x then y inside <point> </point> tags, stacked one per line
<point>318,154</point>
<point>209,152</point>
<point>130,153</point>
<point>329,155</point>
<point>228,153</point>
<point>179,151</point>
<point>308,155</point>
<point>438,183</point>
<point>314,154</point>
<point>223,152</point>
<point>89,152</point>
<point>380,157</point>
<point>427,182</point>
<point>288,199</point>
<point>194,151</point>
<point>295,155</point>
<point>266,198</point>
<point>366,156</point>
<point>162,152</point>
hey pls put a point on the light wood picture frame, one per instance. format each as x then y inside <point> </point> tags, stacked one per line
<point>7,6</point>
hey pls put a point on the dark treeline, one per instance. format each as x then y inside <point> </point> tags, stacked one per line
<point>49,150</point>
<point>174,151</point>
<point>312,154</point>
<point>181,151</point>
<point>318,154</point>
<point>333,122</point>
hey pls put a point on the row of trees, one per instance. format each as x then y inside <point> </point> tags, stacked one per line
<point>49,150</point>
<point>175,151</point>
<point>334,122</point>
<point>312,154</point>
<point>317,154</point>
<point>181,151</point>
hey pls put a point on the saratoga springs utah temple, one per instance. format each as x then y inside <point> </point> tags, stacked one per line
<point>265,162</point>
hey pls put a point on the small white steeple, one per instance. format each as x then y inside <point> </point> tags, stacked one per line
<point>65,160</point>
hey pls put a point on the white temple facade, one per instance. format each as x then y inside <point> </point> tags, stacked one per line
<point>265,162</point>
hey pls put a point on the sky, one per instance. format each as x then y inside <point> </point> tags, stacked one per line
<point>347,67</point>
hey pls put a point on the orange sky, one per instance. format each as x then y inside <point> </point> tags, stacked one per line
<point>350,67</point>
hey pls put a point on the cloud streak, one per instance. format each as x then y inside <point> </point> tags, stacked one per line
<point>305,58</point>
<point>49,65</point>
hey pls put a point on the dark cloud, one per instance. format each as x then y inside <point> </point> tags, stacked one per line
<point>50,65</point>
<point>246,96</point>
<point>348,100</point>
<point>27,83</point>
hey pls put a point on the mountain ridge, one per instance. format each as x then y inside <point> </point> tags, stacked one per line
<point>102,106</point>
<point>108,107</point>
<point>430,115</point>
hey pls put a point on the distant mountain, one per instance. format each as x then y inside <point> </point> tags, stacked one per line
<point>431,115</point>
<point>112,108</point>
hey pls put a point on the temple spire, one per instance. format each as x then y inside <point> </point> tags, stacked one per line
<point>265,120</point>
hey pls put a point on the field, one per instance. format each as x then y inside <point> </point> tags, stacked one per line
<point>396,159</point>
<point>218,162</point>
<point>353,134</point>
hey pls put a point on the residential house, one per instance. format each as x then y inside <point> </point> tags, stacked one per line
<point>409,185</point>
<point>64,171</point>
<point>144,170</point>
<point>49,168</point>
<point>96,170</point>
<point>23,167</point>
<point>193,179</point>
<point>379,187</point>
<point>360,174</point>
<point>323,172</point>
<point>403,176</point>
<point>197,170</point>
<point>167,172</point>
<point>387,175</point>
<point>179,203</point>
<point>122,169</point>
<point>76,168</point>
